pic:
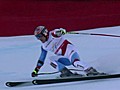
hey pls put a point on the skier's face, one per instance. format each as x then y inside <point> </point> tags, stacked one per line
<point>43,39</point>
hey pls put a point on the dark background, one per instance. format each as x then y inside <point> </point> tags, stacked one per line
<point>20,17</point>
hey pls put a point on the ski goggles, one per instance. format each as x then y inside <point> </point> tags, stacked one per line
<point>38,36</point>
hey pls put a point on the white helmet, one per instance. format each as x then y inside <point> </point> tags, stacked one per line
<point>40,31</point>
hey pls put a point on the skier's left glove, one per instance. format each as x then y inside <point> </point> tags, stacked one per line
<point>60,32</point>
<point>63,31</point>
<point>35,72</point>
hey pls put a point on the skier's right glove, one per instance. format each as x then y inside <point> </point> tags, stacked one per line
<point>35,72</point>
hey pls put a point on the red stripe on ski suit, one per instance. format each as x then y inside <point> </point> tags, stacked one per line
<point>63,47</point>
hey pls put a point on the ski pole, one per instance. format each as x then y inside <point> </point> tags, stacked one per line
<point>98,34</point>
<point>47,73</point>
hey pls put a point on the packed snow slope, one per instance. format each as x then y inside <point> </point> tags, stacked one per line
<point>19,55</point>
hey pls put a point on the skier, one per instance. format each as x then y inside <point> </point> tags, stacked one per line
<point>65,52</point>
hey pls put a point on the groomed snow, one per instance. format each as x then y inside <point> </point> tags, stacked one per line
<point>19,55</point>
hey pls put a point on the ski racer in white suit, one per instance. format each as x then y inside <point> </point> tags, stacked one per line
<point>65,52</point>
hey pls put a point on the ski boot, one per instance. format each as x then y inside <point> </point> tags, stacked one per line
<point>93,72</point>
<point>67,73</point>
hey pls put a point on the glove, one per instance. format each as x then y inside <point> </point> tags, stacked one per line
<point>63,31</point>
<point>60,32</point>
<point>35,72</point>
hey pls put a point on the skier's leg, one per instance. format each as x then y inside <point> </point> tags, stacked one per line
<point>60,63</point>
<point>80,64</point>
<point>76,62</point>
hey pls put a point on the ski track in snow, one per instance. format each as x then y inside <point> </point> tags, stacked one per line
<point>19,55</point>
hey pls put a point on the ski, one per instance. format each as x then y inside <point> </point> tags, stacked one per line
<point>59,80</point>
<point>18,83</point>
<point>73,79</point>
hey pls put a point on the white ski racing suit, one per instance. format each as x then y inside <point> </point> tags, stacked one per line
<point>65,52</point>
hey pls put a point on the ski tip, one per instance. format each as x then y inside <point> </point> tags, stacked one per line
<point>34,82</point>
<point>13,84</point>
<point>8,84</point>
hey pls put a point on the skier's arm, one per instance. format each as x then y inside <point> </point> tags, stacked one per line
<point>40,62</point>
<point>58,32</point>
<point>42,57</point>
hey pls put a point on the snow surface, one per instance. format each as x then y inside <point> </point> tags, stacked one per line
<point>19,55</point>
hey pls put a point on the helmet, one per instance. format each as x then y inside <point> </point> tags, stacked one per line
<point>40,31</point>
